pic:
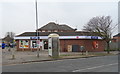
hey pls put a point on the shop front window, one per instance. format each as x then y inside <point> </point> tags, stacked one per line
<point>24,44</point>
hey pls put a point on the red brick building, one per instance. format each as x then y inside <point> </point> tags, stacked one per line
<point>116,42</point>
<point>70,39</point>
<point>117,37</point>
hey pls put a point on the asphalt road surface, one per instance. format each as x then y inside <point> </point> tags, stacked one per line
<point>93,64</point>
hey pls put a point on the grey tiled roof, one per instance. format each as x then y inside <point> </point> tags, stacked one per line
<point>65,27</point>
<point>8,38</point>
<point>54,26</point>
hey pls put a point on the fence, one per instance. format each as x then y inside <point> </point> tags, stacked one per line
<point>115,46</point>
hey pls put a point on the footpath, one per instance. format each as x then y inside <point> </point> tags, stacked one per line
<point>21,57</point>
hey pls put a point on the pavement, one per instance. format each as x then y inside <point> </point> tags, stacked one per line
<point>29,56</point>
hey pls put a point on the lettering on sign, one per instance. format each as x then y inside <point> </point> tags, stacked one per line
<point>34,37</point>
<point>94,37</point>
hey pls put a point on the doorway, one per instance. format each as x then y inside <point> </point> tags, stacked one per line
<point>46,44</point>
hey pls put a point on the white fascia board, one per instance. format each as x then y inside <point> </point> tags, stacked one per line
<point>43,37</point>
<point>67,37</point>
<point>21,37</point>
<point>78,37</point>
<point>61,37</point>
<point>99,37</point>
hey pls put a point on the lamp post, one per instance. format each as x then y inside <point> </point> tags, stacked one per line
<point>37,29</point>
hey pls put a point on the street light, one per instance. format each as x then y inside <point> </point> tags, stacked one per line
<point>37,29</point>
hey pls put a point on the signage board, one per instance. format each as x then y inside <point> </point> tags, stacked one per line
<point>61,37</point>
<point>35,37</point>
<point>94,37</point>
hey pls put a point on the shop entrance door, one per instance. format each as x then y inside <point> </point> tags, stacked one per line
<point>34,44</point>
<point>46,44</point>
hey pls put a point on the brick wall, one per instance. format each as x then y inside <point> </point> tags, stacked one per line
<point>88,44</point>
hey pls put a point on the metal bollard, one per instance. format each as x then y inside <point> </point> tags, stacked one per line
<point>9,49</point>
<point>86,53</point>
<point>13,53</point>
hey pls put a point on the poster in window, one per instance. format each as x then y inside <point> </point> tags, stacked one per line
<point>24,43</point>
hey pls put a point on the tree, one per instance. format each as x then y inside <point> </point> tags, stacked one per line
<point>10,34</point>
<point>103,26</point>
<point>9,37</point>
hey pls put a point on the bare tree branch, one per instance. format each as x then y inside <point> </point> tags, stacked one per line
<point>101,25</point>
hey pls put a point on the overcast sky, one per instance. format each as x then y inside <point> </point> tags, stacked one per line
<point>19,17</point>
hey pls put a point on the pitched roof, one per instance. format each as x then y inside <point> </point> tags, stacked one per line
<point>8,39</point>
<point>65,27</point>
<point>118,35</point>
<point>78,33</point>
<point>54,26</point>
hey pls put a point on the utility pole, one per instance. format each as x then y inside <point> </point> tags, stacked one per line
<point>37,29</point>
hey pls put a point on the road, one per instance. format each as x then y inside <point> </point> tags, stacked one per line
<point>92,64</point>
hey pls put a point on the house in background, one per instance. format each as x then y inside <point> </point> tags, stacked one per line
<point>70,39</point>
<point>115,43</point>
<point>7,39</point>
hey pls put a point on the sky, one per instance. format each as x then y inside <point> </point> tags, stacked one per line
<point>19,16</point>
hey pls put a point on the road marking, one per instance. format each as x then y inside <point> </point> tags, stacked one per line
<point>94,67</point>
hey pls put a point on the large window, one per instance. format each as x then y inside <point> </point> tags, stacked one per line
<point>23,44</point>
<point>33,43</point>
